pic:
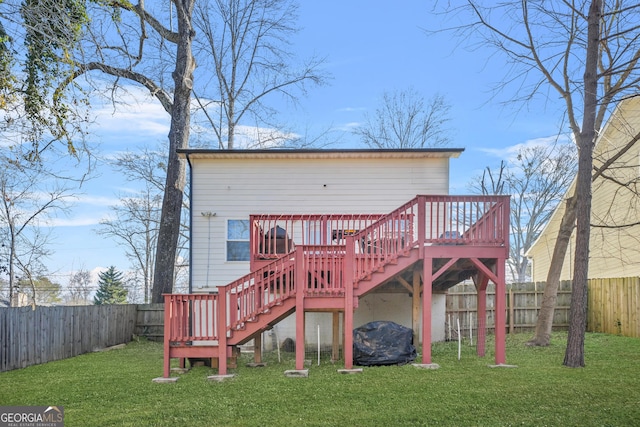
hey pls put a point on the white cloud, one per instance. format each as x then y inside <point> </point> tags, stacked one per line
<point>76,221</point>
<point>146,118</point>
<point>93,200</point>
<point>137,112</point>
<point>248,137</point>
<point>351,109</point>
<point>510,152</point>
<point>347,127</point>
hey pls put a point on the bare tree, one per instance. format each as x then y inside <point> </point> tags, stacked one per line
<point>151,45</point>
<point>27,201</point>
<point>587,52</point>
<point>404,119</point>
<point>135,220</point>
<point>245,49</point>
<point>127,41</point>
<point>537,177</point>
<point>135,226</point>
<point>3,286</point>
<point>80,287</point>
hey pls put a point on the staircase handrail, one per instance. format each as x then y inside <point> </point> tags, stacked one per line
<point>384,240</point>
<point>257,291</point>
<point>429,220</point>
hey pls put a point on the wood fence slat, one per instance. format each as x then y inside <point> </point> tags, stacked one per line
<point>3,339</point>
<point>29,337</point>
<point>635,305</point>
<point>613,306</point>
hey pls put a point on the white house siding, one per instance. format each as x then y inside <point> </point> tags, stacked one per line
<point>235,188</point>
<point>614,251</point>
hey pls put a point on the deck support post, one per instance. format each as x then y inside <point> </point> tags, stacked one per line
<point>427,289</point>
<point>222,331</point>
<point>300,287</point>
<point>481,290</point>
<point>167,335</point>
<point>349,282</point>
<point>257,348</point>
<point>501,308</point>
<point>335,346</point>
<point>415,310</point>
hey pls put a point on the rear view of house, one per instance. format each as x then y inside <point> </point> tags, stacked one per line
<point>332,237</point>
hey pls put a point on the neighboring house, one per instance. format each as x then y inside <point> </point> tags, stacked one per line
<point>337,238</point>
<point>614,247</point>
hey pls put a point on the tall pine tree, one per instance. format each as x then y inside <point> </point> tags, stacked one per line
<point>111,290</point>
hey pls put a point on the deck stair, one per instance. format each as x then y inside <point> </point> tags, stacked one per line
<point>327,262</point>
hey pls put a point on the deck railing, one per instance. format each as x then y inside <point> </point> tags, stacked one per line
<point>274,235</point>
<point>323,268</point>
<point>431,220</point>
<point>467,220</point>
<point>191,317</point>
<point>315,249</point>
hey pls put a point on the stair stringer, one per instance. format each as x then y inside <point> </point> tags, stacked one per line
<point>385,272</point>
<point>263,322</point>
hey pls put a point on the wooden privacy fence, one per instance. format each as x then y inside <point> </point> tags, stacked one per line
<point>150,321</point>
<point>523,304</point>
<point>29,337</point>
<point>614,305</point>
<point>33,336</point>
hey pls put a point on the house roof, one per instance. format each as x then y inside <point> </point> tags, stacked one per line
<point>415,153</point>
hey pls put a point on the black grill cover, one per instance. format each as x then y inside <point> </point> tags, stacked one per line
<point>383,343</point>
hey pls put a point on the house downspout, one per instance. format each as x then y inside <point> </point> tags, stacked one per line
<point>190,222</point>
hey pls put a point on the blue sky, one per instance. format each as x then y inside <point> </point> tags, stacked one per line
<point>370,47</point>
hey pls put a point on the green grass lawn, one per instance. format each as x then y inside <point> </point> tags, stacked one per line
<point>115,388</point>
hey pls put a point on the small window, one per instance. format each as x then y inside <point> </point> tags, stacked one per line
<point>238,240</point>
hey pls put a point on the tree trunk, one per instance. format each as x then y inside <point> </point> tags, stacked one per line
<point>169,229</point>
<point>574,355</point>
<point>544,323</point>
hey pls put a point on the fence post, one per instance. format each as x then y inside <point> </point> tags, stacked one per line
<point>511,311</point>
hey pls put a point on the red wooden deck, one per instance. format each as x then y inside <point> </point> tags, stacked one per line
<point>326,262</point>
